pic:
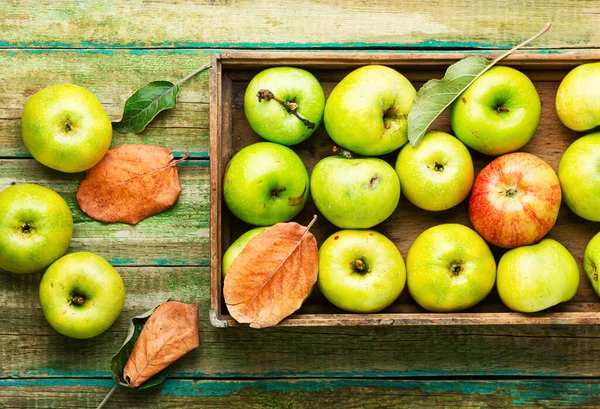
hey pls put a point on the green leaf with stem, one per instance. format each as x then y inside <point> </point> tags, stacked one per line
<point>436,95</point>
<point>148,101</point>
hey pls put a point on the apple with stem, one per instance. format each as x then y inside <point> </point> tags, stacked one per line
<point>284,104</point>
<point>360,270</point>
<point>81,295</point>
<point>354,193</point>
<point>36,227</point>
<point>367,110</point>
<point>449,268</point>
<point>265,183</point>
<point>437,174</point>
<point>498,113</point>
<point>515,200</point>
<point>65,127</point>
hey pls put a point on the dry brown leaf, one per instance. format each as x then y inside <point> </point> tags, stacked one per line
<point>272,275</point>
<point>131,183</point>
<point>170,332</point>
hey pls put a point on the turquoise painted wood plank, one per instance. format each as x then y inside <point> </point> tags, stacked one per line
<point>300,24</point>
<point>307,393</point>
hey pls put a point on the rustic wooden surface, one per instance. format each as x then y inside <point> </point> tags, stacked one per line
<point>113,48</point>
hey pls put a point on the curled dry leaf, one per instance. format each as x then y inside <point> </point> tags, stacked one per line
<point>272,275</point>
<point>131,183</point>
<point>170,332</point>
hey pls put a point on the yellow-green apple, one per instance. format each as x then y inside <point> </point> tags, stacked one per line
<point>354,193</point>
<point>437,174</point>
<point>498,113</point>
<point>65,127</point>
<point>591,262</point>
<point>449,268</point>
<point>81,295</point>
<point>578,98</point>
<point>35,228</point>
<point>360,270</point>
<point>367,110</point>
<point>579,176</point>
<point>236,248</point>
<point>515,200</point>
<point>533,278</point>
<point>265,183</point>
<point>284,104</point>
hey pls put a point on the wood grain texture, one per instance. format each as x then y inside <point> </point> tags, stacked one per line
<point>306,393</point>
<point>179,235</point>
<point>29,347</point>
<point>112,76</point>
<point>322,24</point>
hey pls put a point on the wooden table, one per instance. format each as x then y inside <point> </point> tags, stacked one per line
<point>115,47</point>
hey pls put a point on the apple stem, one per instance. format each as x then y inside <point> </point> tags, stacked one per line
<point>77,299</point>
<point>291,107</point>
<point>344,153</point>
<point>360,266</point>
<point>502,109</point>
<point>275,193</point>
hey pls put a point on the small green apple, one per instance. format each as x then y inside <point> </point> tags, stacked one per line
<point>355,193</point>
<point>265,183</point>
<point>367,111</point>
<point>236,248</point>
<point>578,98</point>
<point>498,113</point>
<point>437,174</point>
<point>591,262</point>
<point>579,176</point>
<point>360,270</point>
<point>449,268</point>
<point>276,121</point>
<point>35,228</point>
<point>65,127</point>
<point>533,278</point>
<point>81,295</point>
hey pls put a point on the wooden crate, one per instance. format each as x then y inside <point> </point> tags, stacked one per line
<point>229,132</point>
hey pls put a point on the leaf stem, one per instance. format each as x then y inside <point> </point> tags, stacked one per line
<point>198,71</point>
<point>107,397</point>
<point>524,43</point>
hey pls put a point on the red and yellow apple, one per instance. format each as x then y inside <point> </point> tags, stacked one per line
<point>515,200</point>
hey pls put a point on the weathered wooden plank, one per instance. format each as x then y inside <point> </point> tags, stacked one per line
<point>323,24</point>
<point>30,348</point>
<point>112,76</point>
<point>177,236</point>
<point>306,393</point>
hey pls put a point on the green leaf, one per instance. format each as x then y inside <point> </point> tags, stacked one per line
<point>437,95</point>
<point>145,104</point>
<point>119,360</point>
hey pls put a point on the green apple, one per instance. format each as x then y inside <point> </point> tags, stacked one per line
<point>360,270</point>
<point>579,176</point>
<point>236,248</point>
<point>533,278</point>
<point>578,98</point>
<point>367,111</point>
<point>449,268</point>
<point>591,262</point>
<point>81,295</point>
<point>265,183</point>
<point>35,228</point>
<point>498,113</point>
<point>295,95</point>
<point>437,174</point>
<point>65,127</point>
<point>355,193</point>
